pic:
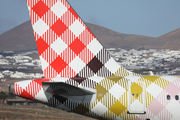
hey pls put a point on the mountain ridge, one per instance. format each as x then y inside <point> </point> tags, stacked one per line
<point>170,40</point>
<point>21,38</point>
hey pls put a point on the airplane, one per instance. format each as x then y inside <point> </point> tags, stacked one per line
<point>82,77</point>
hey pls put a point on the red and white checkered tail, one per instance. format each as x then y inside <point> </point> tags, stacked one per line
<point>67,48</point>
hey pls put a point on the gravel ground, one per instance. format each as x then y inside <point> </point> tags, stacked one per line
<point>37,112</point>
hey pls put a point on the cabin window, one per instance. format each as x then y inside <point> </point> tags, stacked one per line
<point>168,97</point>
<point>176,97</point>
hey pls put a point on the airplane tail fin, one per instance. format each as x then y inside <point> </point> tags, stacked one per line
<point>67,48</point>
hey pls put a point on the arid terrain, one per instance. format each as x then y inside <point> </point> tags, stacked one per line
<point>37,112</point>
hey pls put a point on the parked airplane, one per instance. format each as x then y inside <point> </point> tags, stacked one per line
<point>81,76</point>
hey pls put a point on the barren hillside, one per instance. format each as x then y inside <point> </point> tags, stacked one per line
<point>21,38</point>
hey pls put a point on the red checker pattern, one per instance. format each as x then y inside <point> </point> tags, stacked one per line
<point>77,46</point>
<point>31,90</point>
<point>40,8</point>
<point>58,64</point>
<point>42,45</point>
<point>73,12</point>
<point>59,28</point>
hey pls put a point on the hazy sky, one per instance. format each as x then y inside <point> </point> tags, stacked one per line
<point>143,17</point>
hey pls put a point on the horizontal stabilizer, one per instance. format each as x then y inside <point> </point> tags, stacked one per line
<point>70,92</point>
<point>60,88</point>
